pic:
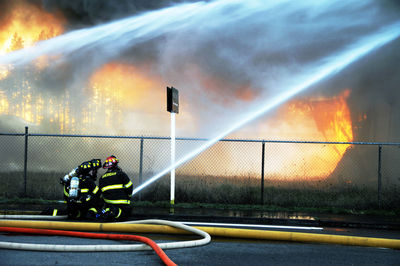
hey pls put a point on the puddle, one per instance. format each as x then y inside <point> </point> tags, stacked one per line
<point>224,213</point>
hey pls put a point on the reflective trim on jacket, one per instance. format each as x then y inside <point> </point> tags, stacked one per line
<point>117,201</point>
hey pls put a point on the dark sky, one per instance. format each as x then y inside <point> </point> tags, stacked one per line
<point>88,12</point>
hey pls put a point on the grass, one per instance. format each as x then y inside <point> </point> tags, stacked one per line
<point>311,195</point>
<point>233,193</point>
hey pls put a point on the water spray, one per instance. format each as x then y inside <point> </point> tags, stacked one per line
<point>331,66</point>
<point>112,39</point>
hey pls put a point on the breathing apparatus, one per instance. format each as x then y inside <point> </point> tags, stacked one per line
<point>74,188</point>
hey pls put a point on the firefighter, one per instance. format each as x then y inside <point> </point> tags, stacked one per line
<point>116,189</point>
<point>81,193</point>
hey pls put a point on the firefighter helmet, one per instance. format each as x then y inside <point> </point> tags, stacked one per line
<point>96,163</point>
<point>111,162</point>
<point>85,167</point>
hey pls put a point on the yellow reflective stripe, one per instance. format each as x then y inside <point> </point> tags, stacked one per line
<point>93,210</point>
<point>128,184</point>
<point>109,174</point>
<point>66,193</point>
<point>117,201</point>
<point>84,190</point>
<point>95,190</point>
<point>118,186</point>
<point>119,213</point>
<point>55,212</point>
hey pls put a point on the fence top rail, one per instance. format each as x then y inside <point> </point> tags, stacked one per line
<point>86,136</point>
<point>205,139</point>
<point>12,134</point>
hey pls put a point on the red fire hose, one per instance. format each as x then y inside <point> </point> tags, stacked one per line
<point>145,240</point>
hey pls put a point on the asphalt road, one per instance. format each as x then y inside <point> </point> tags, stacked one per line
<point>218,252</point>
<point>223,251</point>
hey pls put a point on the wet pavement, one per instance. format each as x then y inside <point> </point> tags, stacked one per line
<point>271,218</point>
<point>218,252</point>
<point>243,217</point>
<point>224,251</point>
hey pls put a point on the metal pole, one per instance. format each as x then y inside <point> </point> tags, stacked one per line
<point>172,162</point>
<point>25,159</point>
<point>141,166</point>
<point>379,175</point>
<point>262,173</point>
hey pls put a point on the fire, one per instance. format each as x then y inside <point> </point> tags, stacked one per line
<point>25,25</point>
<point>333,120</point>
<point>325,119</point>
<point>120,83</point>
<point>118,87</point>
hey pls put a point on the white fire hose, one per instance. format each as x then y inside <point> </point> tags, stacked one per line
<point>33,217</point>
<point>206,238</point>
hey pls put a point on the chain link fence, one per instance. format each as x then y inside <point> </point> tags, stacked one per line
<point>276,173</point>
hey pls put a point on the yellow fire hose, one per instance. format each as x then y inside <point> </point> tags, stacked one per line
<point>213,231</point>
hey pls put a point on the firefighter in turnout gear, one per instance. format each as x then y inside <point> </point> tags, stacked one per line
<point>116,189</point>
<point>81,193</point>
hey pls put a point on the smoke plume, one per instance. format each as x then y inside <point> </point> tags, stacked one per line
<point>224,56</point>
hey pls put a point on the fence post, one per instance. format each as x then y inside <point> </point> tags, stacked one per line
<point>379,175</point>
<point>140,166</point>
<point>25,159</point>
<point>262,173</point>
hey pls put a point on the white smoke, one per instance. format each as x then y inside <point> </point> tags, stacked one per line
<point>260,46</point>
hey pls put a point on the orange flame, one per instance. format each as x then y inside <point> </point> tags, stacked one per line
<point>118,87</point>
<point>325,119</point>
<point>319,119</point>
<point>333,120</point>
<point>126,97</point>
<point>322,119</point>
<point>331,117</point>
<point>121,84</point>
<point>25,25</point>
